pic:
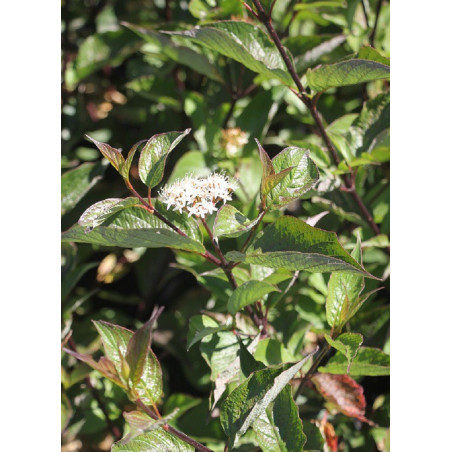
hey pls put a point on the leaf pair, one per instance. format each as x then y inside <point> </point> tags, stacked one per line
<point>286,177</point>
<point>128,362</point>
<point>153,156</point>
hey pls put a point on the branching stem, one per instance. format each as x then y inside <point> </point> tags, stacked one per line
<point>172,430</point>
<point>265,19</point>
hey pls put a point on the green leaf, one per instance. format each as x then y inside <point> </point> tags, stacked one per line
<point>369,53</point>
<point>229,222</point>
<point>192,162</point>
<point>243,42</point>
<point>137,351</point>
<point>180,54</point>
<point>201,326</point>
<point>294,245</point>
<point>248,293</point>
<point>98,213</point>
<point>232,372</point>
<point>349,72</point>
<point>116,340</point>
<point>136,227</point>
<point>272,181</point>
<point>281,429</point>
<point>157,440</point>
<point>71,278</point>
<point>303,174</point>
<point>112,154</point>
<point>154,154</point>
<point>343,292</point>
<point>348,344</point>
<point>125,168</point>
<point>250,400</point>
<point>219,351</point>
<point>77,182</point>
<point>110,48</point>
<point>368,362</point>
<point>105,367</point>
<point>140,423</point>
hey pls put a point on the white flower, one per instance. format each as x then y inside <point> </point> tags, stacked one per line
<point>198,196</point>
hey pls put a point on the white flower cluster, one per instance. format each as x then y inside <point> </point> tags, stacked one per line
<point>198,196</point>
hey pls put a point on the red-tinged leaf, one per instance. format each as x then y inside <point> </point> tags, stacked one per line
<point>138,348</point>
<point>330,436</point>
<point>111,154</point>
<point>344,393</point>
<point>270,182</point>
<point>125,167</point>
<point>267,171</point>
<point>104,366</point>
<point>267,165</point>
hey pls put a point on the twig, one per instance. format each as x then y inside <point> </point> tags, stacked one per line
<point>374,29</point>
<point>312,369</point>
<point>172,430</point>
<point>252,231</point>
<point>265,19</point>
<point>227,269</point>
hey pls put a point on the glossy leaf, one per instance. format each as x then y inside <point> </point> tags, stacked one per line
<point>104,366</point>
<point>343,292</point>
<point>279,428</point>
<point>77,182</point>
<point>250,400</point>
<point>344,393</point>
<point>157,440</point>
<point>243,42</point>
<point>294,245</point>
<point>154,154</point>
<point>229,222</point>
<point>348,344</point>
<point>219,351</point>
<point>125,168</point>
<point>247,293</point>
<point>368,362</point>
<point>303,174</point>
<point>232,372</point>
<point>136,227</point>
<point>116,340</point>
<point>179,54</point>
<point>201,326</point>
<point>137,351</point>
<point>112,154</point>
<point>102,210</point>
<point>349,72</point>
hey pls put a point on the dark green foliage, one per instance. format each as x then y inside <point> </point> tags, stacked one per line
<point>275,324</point>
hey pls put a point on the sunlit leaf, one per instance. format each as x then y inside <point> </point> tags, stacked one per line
<point>368,361</point>
<point>154,154</point>
<point>344,393</point>
<point>243,42</point>
<point>349,72</point>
